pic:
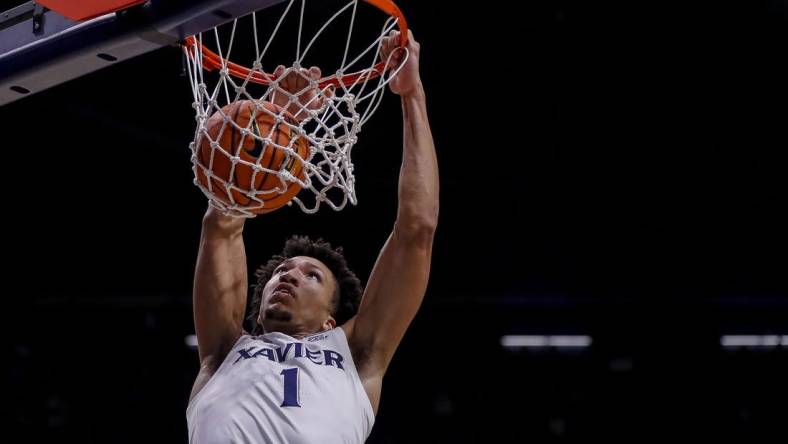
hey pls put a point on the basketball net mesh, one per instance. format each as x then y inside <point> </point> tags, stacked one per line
<point>331,128</point>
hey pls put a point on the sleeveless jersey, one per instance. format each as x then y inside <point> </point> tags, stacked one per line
<point>274,388</point>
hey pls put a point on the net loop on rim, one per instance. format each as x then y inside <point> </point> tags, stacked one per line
<point>324,113</point>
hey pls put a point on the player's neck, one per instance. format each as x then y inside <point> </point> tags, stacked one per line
<point>298,332</point>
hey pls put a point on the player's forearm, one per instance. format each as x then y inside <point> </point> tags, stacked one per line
<point>221,262</point>
<point>418,181</point>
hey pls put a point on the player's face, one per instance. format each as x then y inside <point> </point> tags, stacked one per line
<point>298,296</point>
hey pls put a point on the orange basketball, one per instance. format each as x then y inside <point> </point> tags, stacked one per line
<point>232,141</point>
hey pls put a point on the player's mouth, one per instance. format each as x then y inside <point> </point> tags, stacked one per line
<point>281,292</point>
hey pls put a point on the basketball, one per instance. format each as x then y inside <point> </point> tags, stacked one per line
<point>258,144</point>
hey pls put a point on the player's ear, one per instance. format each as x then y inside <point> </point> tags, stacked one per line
<point>329,323</point>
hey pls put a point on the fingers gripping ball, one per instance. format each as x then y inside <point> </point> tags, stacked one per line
<point>254,181</point>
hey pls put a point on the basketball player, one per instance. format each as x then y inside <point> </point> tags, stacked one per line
<point>312,369</point>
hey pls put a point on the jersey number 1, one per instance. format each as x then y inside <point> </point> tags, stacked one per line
<point>291,388</point>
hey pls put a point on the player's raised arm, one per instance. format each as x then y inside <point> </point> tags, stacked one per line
<point>220,286</point>
<point>398,281</point>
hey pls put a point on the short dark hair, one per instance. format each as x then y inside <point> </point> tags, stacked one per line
<point>347,296</point>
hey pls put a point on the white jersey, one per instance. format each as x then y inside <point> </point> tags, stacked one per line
<point>274,388</point>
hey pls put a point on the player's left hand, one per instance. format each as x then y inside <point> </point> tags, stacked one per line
<point>408,79</point>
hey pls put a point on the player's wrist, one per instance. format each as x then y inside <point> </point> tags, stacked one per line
<point>215,220</point>
<point>416,92</point>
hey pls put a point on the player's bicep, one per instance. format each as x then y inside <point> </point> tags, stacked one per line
<point>393,295</point>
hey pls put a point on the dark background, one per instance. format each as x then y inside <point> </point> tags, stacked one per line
<point>607,168</point>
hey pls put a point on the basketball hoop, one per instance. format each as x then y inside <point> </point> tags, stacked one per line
<point>347,100</point>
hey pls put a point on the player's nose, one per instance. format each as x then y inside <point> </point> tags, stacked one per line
<point>289,277</point>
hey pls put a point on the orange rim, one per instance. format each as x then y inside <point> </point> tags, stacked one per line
<point>212,61</point>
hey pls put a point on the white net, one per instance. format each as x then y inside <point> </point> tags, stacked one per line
<point>264,135</point>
